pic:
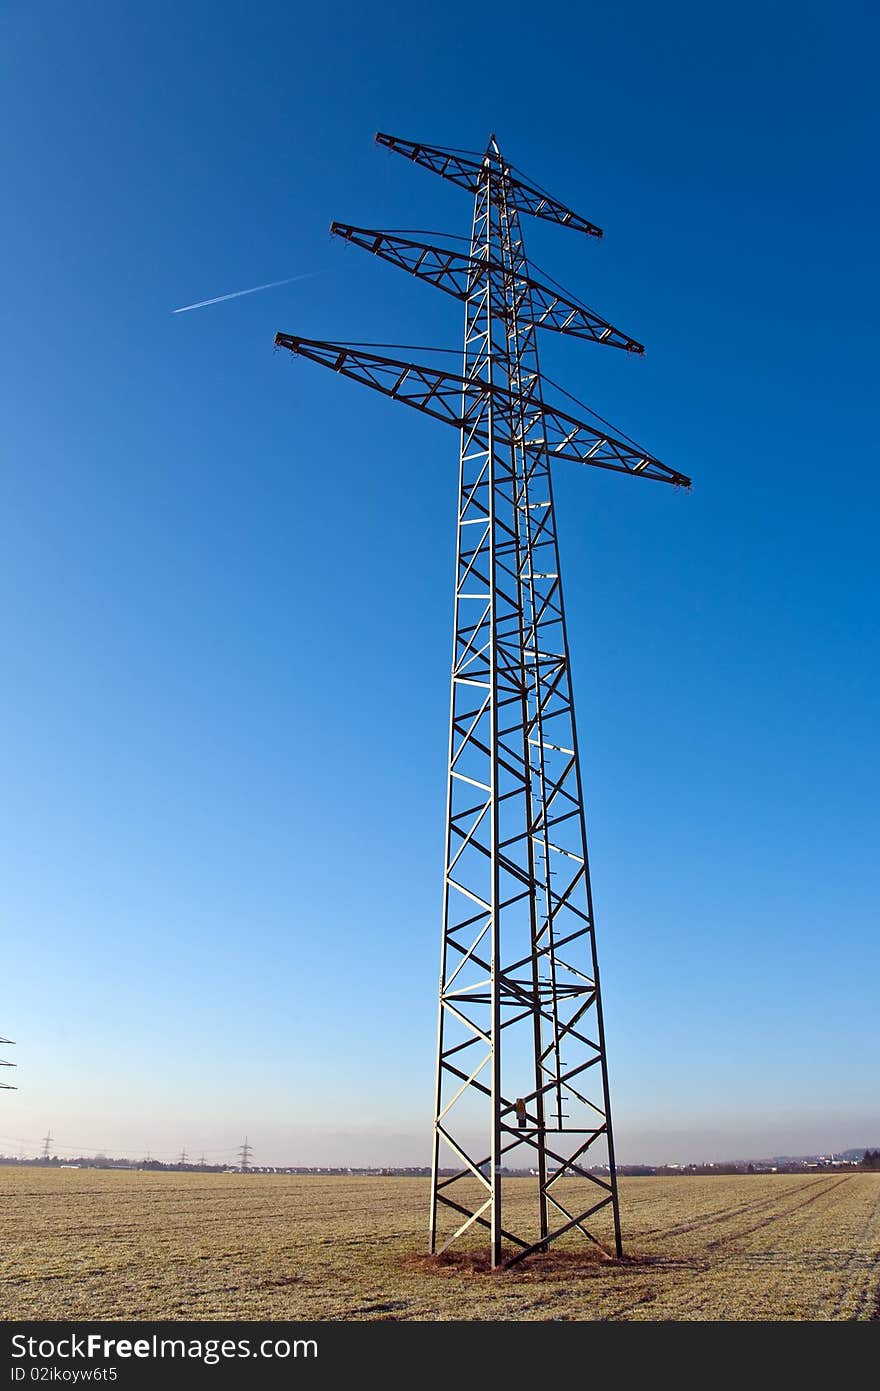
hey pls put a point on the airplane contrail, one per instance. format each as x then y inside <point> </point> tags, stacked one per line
<point>252,291</point>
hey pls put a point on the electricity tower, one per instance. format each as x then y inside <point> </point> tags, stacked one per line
<point>245,1153</point>
<point>7,1086</point>
<point>47,1144</point>
<point>521,1064</point>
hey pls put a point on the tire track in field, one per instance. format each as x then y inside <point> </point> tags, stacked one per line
<point>856,1258</point>
<point>775,1216</point>
<point>735,1210</point>
<point>698,1264</point>
<point>690,1309</point>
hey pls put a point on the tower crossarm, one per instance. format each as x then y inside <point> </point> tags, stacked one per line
<point>457,400</point>
<point>4,1062</point>
<point>436,393</point>
<point>466,171</point>
<point>458,274</point>
<point>566,437</point>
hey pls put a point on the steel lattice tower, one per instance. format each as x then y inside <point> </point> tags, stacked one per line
<point>521,1065</point>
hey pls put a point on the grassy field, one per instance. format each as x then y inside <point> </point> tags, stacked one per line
<point>101,1244</point>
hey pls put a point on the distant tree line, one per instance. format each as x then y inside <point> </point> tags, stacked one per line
<point>870,1160</point>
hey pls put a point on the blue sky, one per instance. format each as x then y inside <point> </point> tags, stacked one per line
<point>225,576</point>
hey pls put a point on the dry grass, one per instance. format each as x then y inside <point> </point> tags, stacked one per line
<point>96,1244</point>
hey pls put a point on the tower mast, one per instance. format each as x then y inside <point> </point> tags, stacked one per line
<point>521,1060</point>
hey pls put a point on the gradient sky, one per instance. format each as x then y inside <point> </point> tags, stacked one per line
<point>226,575</point>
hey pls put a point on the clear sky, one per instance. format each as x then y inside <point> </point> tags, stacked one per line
<point>226,574</point>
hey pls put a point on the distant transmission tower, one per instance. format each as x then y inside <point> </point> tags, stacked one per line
<point>47,1141</point>
<point>7,1086</point>
<point>245,1153</point>
<point>182,1159</point>
<point>521,1064</point>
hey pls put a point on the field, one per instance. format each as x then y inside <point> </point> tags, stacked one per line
<point>101,1244</point>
